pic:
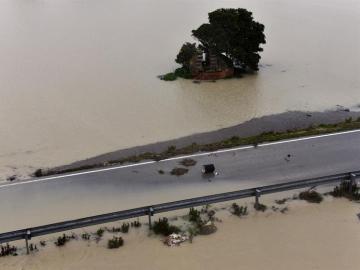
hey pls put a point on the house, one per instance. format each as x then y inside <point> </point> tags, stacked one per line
<point>209,65</point>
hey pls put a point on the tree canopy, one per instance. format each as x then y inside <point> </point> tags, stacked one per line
<point>234,33</point>
<point>187,51</point>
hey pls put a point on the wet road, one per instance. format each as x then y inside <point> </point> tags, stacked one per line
<point>41,201</point>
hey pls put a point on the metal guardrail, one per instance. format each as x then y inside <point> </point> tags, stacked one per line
<point>150,210</point>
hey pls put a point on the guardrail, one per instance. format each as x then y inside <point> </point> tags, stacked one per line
<point>150,210</point>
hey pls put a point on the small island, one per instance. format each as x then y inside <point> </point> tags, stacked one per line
<point>228,45</point>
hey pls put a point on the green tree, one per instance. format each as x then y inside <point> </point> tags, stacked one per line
<point>187,51</point>
<point>233,32</point>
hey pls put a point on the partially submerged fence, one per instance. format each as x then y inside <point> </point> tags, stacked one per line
<point>150,210</point>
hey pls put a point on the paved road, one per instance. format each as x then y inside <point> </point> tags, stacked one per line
<point>53,199</point>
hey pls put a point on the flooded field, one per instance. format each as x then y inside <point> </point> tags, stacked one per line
<point>79,78</point>
<point>307,236</point>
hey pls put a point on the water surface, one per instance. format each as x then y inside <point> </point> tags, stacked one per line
<point>78,77</point>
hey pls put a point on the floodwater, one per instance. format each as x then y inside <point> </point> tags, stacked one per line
<point>78,77</point>
<point>308,236</point>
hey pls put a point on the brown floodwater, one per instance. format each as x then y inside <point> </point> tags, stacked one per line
<point>79,77</point>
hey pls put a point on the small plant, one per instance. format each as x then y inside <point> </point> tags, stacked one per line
<point>311,196</point>
<point>115,242</point>
<point>38,173</point>
<point>282,201</point>
<point>136,224</point>
<point>161,172</point>
<point>239,210</point>
<point>194,216</point>
<point>348,120</point>
<point>344,190</point>
<point>178,171</point>
<point>100,232</point>
<point>169,77</point>
<point>33,247</point>
<point>7,250</point>
<point>125,227</point>
<point>62,240</point>
<point>85,236</point>
<point>260,207</point>
<point>42,243</point>
<point>187,162</point>
<point>164,228</point>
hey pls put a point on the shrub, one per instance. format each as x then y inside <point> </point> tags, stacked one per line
<point>136,224</point>
<point>115,242</point>
<point>343,190</point>
<point>348,120</point>
<point>183,73</point>
<point>125,227</point>
<point>239,210</point>
<point>194,216</point>
<point>260,207</point>
<point>38,173</point>
<point>161,172</point>
<point>7,250</point>
<point>62,240</point>
<point>164,228</point>
<point>100,232</point>
<point>169,77</point>
<point>85,236</point>
<point>311,196</point>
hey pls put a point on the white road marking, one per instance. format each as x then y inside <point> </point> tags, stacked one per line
<point>177,158</point>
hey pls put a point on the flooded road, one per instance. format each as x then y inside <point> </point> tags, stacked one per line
<point>78,78</point>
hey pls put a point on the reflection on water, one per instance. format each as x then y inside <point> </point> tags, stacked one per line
<point>78,78</point>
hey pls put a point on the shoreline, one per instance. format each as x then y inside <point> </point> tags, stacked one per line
<point>249,132</point>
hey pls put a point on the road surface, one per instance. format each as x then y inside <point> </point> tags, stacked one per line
<point>52,199</point>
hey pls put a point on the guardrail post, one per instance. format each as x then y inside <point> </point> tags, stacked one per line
<point>27,237</point>
<point>352,181</point>
<point>150,213</point>
<point>257,196</point>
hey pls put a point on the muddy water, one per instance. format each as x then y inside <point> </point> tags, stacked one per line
<point>78,78</point>
<point>308,236</point>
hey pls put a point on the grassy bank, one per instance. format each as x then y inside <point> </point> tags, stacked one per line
<point>235,141</point>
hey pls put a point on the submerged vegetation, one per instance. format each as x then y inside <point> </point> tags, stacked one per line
<point>234,141</point>
<point>115,242</point>
<point>347,190</point>
<point>311,196</point>
<point>239,210</point>
<point>163,227</point>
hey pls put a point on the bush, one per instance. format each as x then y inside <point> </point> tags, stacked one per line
<point>194,216</point>
<point>164,228</point>
<point>311,196</point>
<point>125,227</point>
<point>85,236</point>
<point>239,210</point>
<point>260,207</point>
<point>183,73</point>
<point>343,190</point>
<point>100,232</point>
<point>136,224</point>
<point>115,242</point>
<point>62,240</point>
<point>7,250</point>
<point>169,77</point>
<point>38,173</point>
